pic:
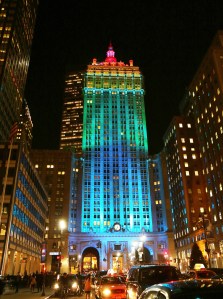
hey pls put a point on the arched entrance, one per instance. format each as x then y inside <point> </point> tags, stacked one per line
<point>90,260</point>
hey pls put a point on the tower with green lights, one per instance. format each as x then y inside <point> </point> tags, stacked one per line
<point>115,193</point>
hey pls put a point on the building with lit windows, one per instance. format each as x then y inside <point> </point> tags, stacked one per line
<point>205,104</point>
<point>17,21</point>
<point>58,170</point>
<point>25,127</point>
<point>186,186</point>
<point>23,212</point>
<point>159,193</point>
<point>72,117</point>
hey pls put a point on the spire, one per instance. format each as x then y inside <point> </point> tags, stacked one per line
<point>110,54</point>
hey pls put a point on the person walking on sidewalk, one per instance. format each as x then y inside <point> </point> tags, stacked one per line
<point>33,283</point>
<point>17,282</point>
<point>39,281</point>
<point>87,286</point>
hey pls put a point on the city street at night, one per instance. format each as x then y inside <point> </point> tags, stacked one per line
<point>111,152</point>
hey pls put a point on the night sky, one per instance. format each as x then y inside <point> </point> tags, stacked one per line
<point>166,39</point>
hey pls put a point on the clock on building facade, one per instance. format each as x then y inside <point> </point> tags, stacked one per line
<point>117,227</point>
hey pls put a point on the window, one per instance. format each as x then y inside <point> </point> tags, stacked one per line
<point>117,247</point>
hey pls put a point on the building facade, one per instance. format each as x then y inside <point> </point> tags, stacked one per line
<point>159,193</point>
<point>23,212</point>
<point>117,219</point>
<point>58,170</point>
<point>186,186</point>
<point>206,106</point>
<point>196,175</point>
<point>72,117</point>
<point>17,21</point>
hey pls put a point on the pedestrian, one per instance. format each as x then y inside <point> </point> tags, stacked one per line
<point>39,281</point>
<point>17,282</point>
<point>33,283</point>
<point>79,279</point>
<point>87,286</point>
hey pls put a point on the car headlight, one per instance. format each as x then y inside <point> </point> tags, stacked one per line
<point>132,293</point>
<point>56,286</point>
<point>106,292</point>
<point>74,285</point>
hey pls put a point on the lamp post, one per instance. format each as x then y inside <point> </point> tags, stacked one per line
<point>203,217</point>
<point>62,226</point>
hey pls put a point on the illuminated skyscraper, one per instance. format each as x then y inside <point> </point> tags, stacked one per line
<point>72,118</point>
<point>121,222</point>
<point>17,21</point>
<point>118,211</point>
<point>115,149</point>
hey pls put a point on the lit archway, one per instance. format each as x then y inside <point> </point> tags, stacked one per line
<point>90,260</point>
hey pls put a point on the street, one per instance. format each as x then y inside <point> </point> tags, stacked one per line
<point>25,293</point>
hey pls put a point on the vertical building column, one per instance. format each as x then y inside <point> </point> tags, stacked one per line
<point>10,264</point>
<point>17,262</point>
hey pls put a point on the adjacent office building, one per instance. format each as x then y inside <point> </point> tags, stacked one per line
<point>194,143</point>
<point>72,118</point>
<point>22,196</point>
<point>17,21</point>
<point>58,170</point>
<point>23,212</point>
<point>186,185</point>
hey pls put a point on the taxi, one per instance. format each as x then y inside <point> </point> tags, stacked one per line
<point>201,274</point>
<point>112,287</point>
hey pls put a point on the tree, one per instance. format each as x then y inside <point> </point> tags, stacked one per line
<point>196,256</point>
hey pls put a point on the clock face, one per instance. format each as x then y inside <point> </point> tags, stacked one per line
<point>117,227</point>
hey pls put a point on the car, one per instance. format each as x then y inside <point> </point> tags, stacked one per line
<point>110,287</point>
<point>201,274</point>
<point>218,271</point>
<point>185,289</point>
<point>140,277</point>
<point>73,286</point>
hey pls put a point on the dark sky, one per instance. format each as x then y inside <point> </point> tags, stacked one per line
<point>166,39</point>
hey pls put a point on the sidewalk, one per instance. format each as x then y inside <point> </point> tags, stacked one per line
<point>25,293</point>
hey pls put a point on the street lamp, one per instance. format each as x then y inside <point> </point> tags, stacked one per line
<point>62,226</point>
<point>203,217</point>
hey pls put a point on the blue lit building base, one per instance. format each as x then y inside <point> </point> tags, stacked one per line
<point>118,251</point>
